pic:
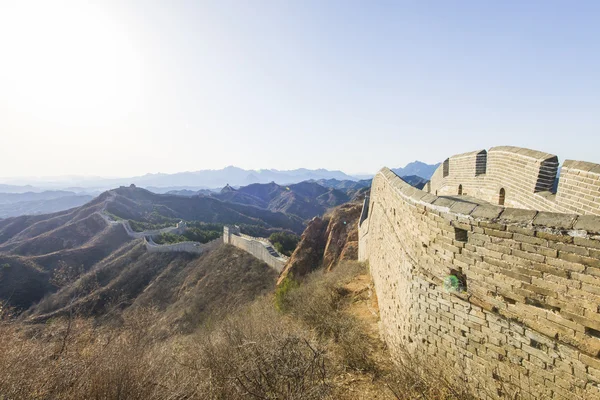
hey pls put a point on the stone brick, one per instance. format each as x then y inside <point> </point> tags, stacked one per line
<point>566,265</point>
<point>593,362</point>
<point>554,236</point>
<point>548,269</point>
<point>487,212</point>
<point>589,223</point>
<point>569,248</point>
<point>521,230</point>
<point>539,250</point>
<point>518,216</point>
<point>554,220</point>
<point>579,241</point>
<point>498,233</point>
<point>576,258</point>
<point>540,258</point>
<point>531,240</point>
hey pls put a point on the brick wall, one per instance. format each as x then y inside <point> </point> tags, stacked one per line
<point>527,325</point>
<point>579,187</point>
<point>187,247</point>
<point>255,246</point>
<point>527,177</point>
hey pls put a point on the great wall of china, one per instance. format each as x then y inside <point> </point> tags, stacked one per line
<point>177,229</point>
<point>187,247</point>
<point>260,248</point>
<point>489,274</point>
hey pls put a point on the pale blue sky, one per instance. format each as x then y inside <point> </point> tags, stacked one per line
<point>124,88</point>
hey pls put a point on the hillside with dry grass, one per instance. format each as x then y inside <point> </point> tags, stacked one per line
<point>52,257</point>
<point>92,314</point>
<point>37,251</point>
<point>185,288</point>
<point>319,341</point>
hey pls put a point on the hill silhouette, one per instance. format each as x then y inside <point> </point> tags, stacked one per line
<point>142,205</point>
<point>29,203</point>
<point>305,199</point>
<point>417,168</point>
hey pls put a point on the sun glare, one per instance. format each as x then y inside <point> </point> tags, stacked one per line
<point>68,62</point>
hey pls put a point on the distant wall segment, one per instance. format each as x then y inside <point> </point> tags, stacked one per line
<point>152,247</point>
<point>525,177</point>
<point>177,229</point>
<point>187,247</point>
<point>259,247</point>
<point>505,300</point>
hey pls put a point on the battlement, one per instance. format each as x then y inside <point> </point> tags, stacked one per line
<point>520,178</point>
<point>503,299</point>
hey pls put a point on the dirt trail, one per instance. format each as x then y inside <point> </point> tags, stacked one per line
<point>362,304</point>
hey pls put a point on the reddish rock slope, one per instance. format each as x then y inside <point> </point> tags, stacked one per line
<point>326,241</point>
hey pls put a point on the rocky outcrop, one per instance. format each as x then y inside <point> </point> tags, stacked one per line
<point>342,235</point>
<point>326,241</point>
<point>309,253</point>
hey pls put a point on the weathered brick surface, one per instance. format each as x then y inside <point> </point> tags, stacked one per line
<point>528,324</point>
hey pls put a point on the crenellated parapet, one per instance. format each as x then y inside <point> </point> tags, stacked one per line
<point>522,178</point>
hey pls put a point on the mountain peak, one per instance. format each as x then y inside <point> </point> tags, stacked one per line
<point>417,168</point>
<point>227,189</point>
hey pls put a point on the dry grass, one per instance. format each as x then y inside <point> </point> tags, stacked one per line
<point>315,350</point>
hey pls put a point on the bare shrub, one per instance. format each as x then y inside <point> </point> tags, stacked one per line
<point>73,359</point>
<point>258,355</point>
<point>413,377</point>
<point>321,301</point>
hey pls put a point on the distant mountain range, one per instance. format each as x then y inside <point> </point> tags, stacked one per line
<point>417,168</point>
<point>34,199</point>
<point>203,179</point>
<point>30,203</point>
<point>305,199</point>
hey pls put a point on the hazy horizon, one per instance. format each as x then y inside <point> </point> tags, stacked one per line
<point>126,88</point>
<point>48,178</point>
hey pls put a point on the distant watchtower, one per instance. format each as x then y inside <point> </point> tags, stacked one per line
<point>229,230</point>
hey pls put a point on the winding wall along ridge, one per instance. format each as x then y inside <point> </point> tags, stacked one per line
<point>527,323</point>
<point>261,248</point>
<point>177,229</point>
